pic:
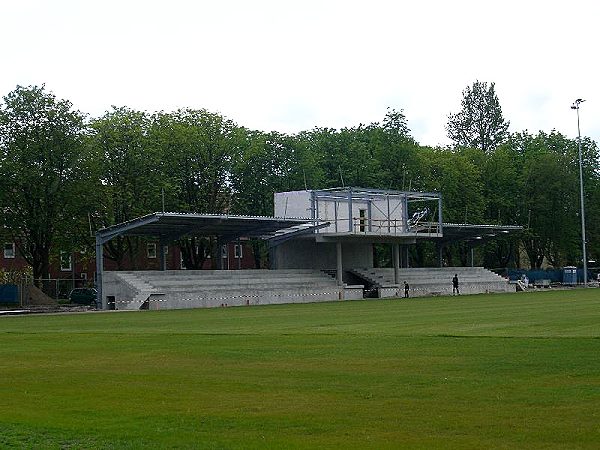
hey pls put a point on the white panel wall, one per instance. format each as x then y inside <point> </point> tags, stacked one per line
<point>298,204</point>
<point>293,204</point>
<point>379,213</point>
<point>326,211</point>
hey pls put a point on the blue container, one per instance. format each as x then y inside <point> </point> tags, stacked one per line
<point>9,293</point>
<point>570,275</point>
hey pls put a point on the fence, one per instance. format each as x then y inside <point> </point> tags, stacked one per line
<point>15,289</point>
<point>59,288</point>
<point>554,275</point>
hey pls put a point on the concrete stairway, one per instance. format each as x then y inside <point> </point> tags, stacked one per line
<point>433,281</point>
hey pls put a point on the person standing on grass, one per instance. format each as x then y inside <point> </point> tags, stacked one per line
<point>455,285</point>
<point>406,288</point>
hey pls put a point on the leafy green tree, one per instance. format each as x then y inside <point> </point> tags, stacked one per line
<point>459,180</point>
<point>267,163</point>
<point>41,153</point>
<point>503,193</point>
<point>198,149</point>
<point>128,172</point>
<point>547,196</point>
<point>374,155</point>
<point>396,153</point>
<point>479,123</point>
<point>347,155</point>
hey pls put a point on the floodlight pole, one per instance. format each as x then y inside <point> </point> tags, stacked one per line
<point>575,106</point>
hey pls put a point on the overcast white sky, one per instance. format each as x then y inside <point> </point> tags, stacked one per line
<point>293,65</point>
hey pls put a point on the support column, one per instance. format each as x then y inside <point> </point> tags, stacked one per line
<point>100,301</point>
<point>406,261</point>
<point>272,256</point>
<point>472,257</point>
<point>340,271</point>
<point>404,213</point>
<point>396,257</point>
<point>161,254</point>
<point>350,210</point>
<point>401,255</point>
<point>335,215</point>
<point>219,255</point>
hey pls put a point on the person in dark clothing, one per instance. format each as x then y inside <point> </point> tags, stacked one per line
<point>455,285</point>
<point>406,288</point>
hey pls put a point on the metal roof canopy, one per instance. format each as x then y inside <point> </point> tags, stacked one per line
<point>341,193</point>
<point>172,226</point>
<point>457,232</point>
<point>168,226</point>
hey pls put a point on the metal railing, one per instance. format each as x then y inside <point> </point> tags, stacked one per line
<point>361,225</point>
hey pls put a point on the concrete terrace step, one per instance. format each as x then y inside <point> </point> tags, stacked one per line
<point>234,279</point>
<point>222,273</point>
<point>182,288</point>
<point>431,274</point>
<point>226,286</point>
<point>208,278</point>
<point>200,280</point>
<point>155,281</point>
<point>434,279</point>
<point>237,291</point>
<point>444,283</point>
<point>421,277</point>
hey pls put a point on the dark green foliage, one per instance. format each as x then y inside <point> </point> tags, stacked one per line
<point>61,177</point>
<point>547,199</point>
<point>128,179</point>
<point>43,170</point>
<point>197,150</point>
<point>479,123</point>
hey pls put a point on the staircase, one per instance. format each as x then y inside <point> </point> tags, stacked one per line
<point>433,281</point>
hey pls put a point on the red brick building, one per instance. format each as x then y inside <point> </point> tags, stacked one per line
<point>81,266</point>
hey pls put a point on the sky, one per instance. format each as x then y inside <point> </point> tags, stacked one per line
<point>294,65</point>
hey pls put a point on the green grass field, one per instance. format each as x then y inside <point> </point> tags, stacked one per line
<point>486,371</point>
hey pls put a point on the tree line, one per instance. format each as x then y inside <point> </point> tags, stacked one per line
<point>64,175</point>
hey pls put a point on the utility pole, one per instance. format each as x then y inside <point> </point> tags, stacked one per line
<point>575,106</point>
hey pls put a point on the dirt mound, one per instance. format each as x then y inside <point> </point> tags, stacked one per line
<point>36,297</point>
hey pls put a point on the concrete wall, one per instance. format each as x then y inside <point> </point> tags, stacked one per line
<point>435,289</point>
<point>123,291</point>
<point>308,254</point>
<point>253,298</point>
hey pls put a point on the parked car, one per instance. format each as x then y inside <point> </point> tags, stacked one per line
<point>83,296</point>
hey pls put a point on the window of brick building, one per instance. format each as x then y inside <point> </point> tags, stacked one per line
<point>237,251</point>
<point>151,250</point>
<point>9,250</point>
<point>65,261</point>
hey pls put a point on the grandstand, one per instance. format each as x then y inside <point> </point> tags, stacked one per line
<point>432,281</point>
<point>313,235</point>
<point>213,288</point>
